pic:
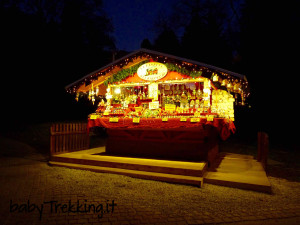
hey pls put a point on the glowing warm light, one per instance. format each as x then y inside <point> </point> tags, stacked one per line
<point>222,103</point>
<point>117,90</point>
<point>215,77</point>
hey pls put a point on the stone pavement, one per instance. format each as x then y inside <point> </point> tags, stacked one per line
<point>32,192</point>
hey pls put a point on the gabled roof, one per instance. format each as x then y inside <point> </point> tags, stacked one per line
<point>119,64</point>
<point>196,63</point>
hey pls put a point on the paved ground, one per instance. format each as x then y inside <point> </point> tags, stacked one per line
<point>29,188</point>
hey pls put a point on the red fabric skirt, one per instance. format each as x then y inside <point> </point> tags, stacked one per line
<point>224,126</point>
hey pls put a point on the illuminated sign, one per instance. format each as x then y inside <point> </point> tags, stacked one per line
<point>153,91</point>
<point>195,120</point>
<point>152,71</point>
<point>170,107</point>
<point>154,105</point>
<point>136,120</point>
<point>93,117</point>
<point>114,119</point>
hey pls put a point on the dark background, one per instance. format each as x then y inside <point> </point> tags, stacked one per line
<point>46,45</point>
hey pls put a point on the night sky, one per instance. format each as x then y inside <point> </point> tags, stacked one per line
<point>133,20</point>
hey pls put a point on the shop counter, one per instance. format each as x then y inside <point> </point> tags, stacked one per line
<point>171,139</point>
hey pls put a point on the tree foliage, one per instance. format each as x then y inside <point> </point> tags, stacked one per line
<point>146,44</point>
<point>268,48</point>
<point>196,30</point>
<point>167,42</point>
<point>46,45</point>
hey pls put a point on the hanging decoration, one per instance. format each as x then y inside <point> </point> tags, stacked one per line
<point>123,74</point>
<point>219,79</point>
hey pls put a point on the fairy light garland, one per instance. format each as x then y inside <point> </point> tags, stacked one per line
<point>232,84</point>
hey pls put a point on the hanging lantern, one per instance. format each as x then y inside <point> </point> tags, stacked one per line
<point>243,98</point>
<point>215,77</point>
<point>224,82</point>
<point>199,93</point>
<point>235,87</point>
<point>236,98</point>
<point>90,94</point>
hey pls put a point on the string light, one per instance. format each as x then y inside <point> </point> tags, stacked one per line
<point>236,85</point>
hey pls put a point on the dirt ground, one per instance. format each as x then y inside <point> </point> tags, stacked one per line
<point>26,178</point>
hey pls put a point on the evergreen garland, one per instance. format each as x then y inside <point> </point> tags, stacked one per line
<point>123,74</point>
<point>183,70</point>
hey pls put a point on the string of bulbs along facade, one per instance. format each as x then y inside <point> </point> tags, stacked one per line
<point>117,73</point>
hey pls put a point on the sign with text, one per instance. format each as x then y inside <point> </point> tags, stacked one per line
<point>136,120</point>
<point>93,117</point>
<point>113,119</point>
<point>170,107</point>
<point>154,105</point>
<point>195,120</point>
<point>210,118</point>
<point>152,71</point>
<point>153,91</point>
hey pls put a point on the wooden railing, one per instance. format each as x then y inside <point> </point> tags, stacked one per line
<point>262,148</point>
<point>68,137</point>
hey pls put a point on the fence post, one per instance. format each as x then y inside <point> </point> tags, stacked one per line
<point>68,137</point>
<point>262,148</point>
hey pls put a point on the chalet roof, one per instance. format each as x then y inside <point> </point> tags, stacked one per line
<point>150,53</point>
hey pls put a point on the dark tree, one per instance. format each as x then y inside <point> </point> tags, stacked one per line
<point>86,32</point>
<point>203,37</point>
<point>166,38</point>
<point>167,42</point>
<point>269,42</point>
<point>46,45</point>
<point>194,40</point>
<point>146,44</point>
<point>201,26</point>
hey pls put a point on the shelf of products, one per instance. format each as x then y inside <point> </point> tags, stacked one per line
<point>179,99</point>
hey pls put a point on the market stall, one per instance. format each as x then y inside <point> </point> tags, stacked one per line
<point>162,106</point>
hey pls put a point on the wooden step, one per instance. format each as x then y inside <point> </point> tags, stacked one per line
<point>194,169</point>
<point>238,171</point>
<point>234,156</point>
<point>172,178</point>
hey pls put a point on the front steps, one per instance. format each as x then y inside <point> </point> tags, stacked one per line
<point>161,170</point>
<point>238,171</point>
<point>231,170</point>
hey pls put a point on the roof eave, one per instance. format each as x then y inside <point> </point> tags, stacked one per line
<point>161,54</point>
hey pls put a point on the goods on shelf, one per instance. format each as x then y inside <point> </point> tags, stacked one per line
<point>188,98</point>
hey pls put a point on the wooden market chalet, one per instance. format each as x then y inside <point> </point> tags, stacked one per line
<point>158,105</point>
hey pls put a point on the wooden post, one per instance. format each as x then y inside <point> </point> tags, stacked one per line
<point>262,148</point>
